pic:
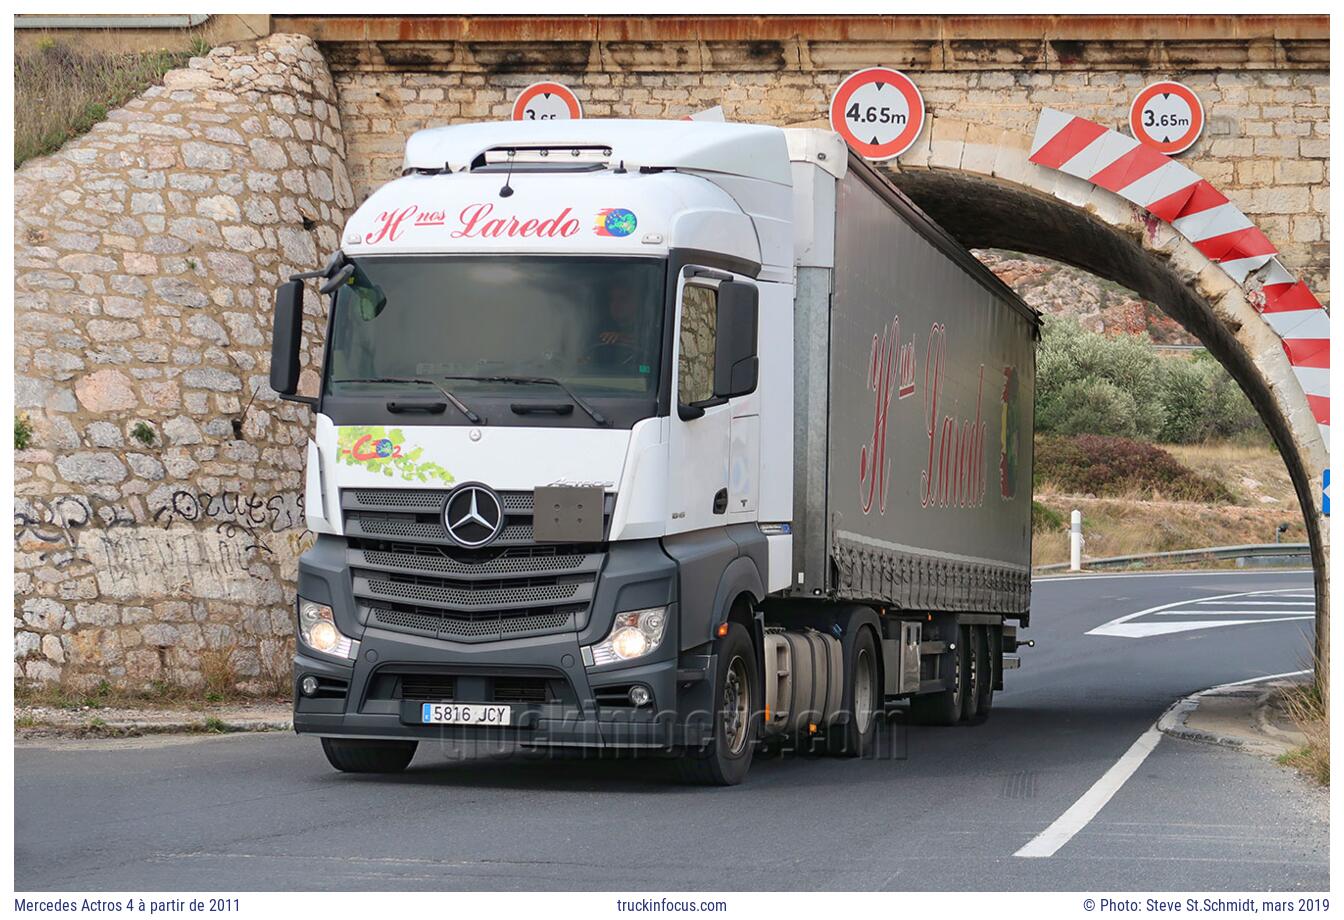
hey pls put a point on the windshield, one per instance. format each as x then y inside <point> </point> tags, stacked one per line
<point>593,324</point>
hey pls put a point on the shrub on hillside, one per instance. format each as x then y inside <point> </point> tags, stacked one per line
<point>1201,401</point>
<point>1087,383</point>
<point>1070,356</point>
<point>1102,465</point>
<point>1045,519</point>
<point>1088,406</point>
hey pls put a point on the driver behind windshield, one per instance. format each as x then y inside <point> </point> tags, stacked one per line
<point>616,336</point>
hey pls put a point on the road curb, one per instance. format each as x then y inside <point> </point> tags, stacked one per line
<point>1173,723</point>
<point>133,728</point>
<point>1257,691</point>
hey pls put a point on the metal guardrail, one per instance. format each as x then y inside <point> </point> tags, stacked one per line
<point>1207,554</point>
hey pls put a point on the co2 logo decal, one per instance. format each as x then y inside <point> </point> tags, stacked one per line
<point>879,112</point>
<point>546,102</point>
<point>1166,116</point>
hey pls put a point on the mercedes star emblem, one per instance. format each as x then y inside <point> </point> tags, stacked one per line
<point>473,515</point>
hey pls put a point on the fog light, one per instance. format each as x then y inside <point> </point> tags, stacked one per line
<point>308,685</point>
<point>639,695</point>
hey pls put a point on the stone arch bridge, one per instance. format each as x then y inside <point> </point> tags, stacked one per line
<point>1263,82</point>
<point>299,127</point>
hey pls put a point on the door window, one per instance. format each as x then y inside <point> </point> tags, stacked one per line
<point>698,335</point>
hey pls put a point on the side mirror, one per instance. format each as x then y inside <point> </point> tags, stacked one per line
<point>735,362</point>
<point>286,334</point>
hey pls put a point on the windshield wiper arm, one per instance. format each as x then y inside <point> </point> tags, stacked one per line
<point>596,416</point>
<point>457,403</point>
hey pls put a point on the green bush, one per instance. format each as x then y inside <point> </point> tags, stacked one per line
<point>23,432</point>
<point>1089,406</point>
<point>1088,383</point>
<point>1120,467</point>
<point>1045,519</point>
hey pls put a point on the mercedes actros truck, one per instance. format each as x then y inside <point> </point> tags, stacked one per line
<point>669,436</point>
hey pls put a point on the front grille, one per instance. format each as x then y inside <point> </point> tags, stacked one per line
<point>411,558</point>
<point>402,682</point>
<point>497,625</point>
<point>522,690</point>
<point>432,687</point>
<point>474,596</point>
<point>410,576</point>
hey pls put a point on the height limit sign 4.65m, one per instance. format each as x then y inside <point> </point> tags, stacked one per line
<point>878,111</point>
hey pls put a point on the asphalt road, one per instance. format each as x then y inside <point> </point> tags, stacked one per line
<point>265,812</point>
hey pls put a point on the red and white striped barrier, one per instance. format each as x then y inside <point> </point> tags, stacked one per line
<point>1216,227</point>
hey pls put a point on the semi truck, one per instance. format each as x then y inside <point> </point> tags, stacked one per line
<point>673,437</point>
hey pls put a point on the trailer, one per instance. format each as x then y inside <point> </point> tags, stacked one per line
<point>686,438</point>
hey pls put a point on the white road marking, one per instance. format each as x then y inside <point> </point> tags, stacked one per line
<point>1275,603</point>
<point>1299,614</point>
<point>1124,627</point>
<point>1080,813</point>
<point>1210,573</point>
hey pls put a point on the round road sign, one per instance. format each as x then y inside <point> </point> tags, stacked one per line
<point>546,102</point>
<point>1166,116</point>
<point>878,111</point>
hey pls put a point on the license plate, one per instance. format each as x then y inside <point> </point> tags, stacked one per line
<point>465,714</point>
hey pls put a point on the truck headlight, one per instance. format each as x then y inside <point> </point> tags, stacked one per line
<point>317,630</point>
<point>635,634</point>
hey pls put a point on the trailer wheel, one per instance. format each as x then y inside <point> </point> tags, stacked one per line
<point>985,675</point>
<point>973,674</point>
<point>943,707</point>
<point>368,756</point>
<point>724,761</point>
<point>862,701</point>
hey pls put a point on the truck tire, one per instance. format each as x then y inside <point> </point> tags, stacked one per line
<point>943,707</point>
<point>972,676</point>
<point>368,756</point>
<point>985,671</point>
<point>863,701</point>
<point>724,761</point>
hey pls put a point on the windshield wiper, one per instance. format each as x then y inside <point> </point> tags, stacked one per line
<point>596,416</point>
<point>457,403</point>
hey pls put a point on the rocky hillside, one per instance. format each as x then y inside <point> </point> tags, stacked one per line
<point>1101,306</point>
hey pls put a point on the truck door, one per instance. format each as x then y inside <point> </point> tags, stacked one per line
<point>699,455</point>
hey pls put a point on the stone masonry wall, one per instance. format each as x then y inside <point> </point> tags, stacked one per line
<point>1265,144</point>
<point>159,505</point>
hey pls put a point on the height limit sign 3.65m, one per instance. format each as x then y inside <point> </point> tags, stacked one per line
<point>1166,116</point>
<point>878,111</point>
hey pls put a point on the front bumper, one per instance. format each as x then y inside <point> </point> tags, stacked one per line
<point>578,711</point>
<point>556,700</point>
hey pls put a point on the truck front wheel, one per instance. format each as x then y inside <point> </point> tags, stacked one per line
<point>725,759</point>
<point>368,756</point>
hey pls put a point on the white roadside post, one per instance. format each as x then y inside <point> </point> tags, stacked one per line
<point>1076,541</point>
